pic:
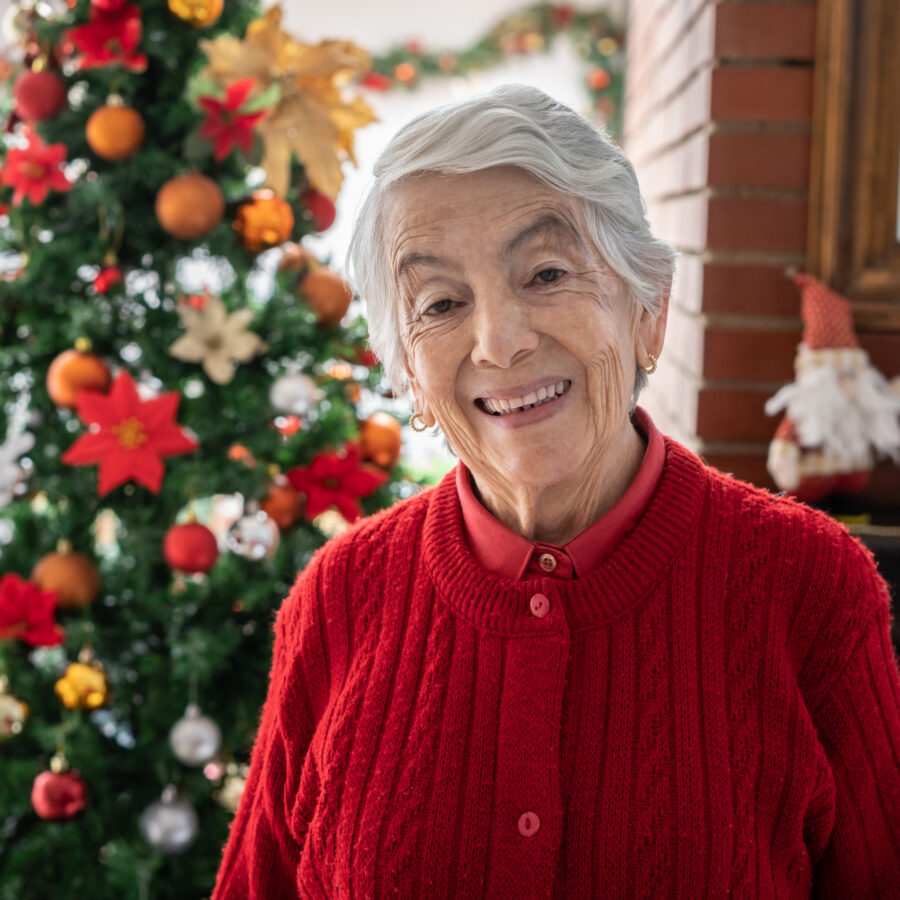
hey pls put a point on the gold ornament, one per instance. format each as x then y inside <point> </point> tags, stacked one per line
<point>83,686</point>
<point>263,221</point>
<point>13,712</point>
<point>199,13</point>
<point>649,370</point>
<point>216,338</point>
<point>311,117</point>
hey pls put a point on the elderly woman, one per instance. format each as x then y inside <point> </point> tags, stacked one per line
<point>585,664</point>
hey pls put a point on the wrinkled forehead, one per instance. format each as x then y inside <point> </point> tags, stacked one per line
<point>503,205</point>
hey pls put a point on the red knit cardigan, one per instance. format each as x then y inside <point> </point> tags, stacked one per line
<point>713,711</point>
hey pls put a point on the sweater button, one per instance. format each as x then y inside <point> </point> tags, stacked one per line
<point>529,824</point>
<point>547,561</point>
<point>540,606</point>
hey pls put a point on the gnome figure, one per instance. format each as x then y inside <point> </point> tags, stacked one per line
<point>840,411</point>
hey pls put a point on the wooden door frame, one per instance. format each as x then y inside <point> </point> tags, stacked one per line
<point>855,165</point>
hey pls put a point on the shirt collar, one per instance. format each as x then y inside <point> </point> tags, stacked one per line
<point>504,552</point>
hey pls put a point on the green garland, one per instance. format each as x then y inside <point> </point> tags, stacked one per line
<point>597,39</point>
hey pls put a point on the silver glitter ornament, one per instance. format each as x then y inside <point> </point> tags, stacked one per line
<point>255,536</point>
<point>169,825</point>
<point>295,393</point>
<point>195,739</point>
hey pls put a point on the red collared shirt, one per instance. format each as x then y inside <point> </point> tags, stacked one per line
<point>504,552</point>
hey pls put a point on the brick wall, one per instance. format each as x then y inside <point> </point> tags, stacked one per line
<point>717,122</point>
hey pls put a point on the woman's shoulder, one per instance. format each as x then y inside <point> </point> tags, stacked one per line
<point>799,536</point>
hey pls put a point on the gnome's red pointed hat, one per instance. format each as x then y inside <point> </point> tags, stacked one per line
<point>827,316</point>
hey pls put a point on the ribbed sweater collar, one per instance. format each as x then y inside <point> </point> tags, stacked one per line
<point>622,579</point>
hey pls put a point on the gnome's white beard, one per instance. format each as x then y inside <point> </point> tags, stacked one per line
<point>841,405</point>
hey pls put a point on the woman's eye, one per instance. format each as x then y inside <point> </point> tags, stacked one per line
<point>548,276</point>
<point>442,306</point>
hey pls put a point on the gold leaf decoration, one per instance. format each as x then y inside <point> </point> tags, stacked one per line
<point>311,119</point>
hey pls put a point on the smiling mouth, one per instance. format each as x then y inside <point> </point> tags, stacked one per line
<point>541,397</point>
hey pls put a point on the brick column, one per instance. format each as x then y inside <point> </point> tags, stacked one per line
<point>717,123</point>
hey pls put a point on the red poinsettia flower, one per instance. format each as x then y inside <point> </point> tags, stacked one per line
<point>26,612</point>
<point>4,209</point>
<point>111,38</point>
<point>35,169</point>
<point>225,124</point>
<point>107,278</point>
<point>128,436</point>
<point>336,479</point>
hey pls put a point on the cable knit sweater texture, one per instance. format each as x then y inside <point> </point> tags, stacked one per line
<point>714,711</point>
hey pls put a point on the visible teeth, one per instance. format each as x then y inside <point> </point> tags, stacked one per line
<point>519,404</point>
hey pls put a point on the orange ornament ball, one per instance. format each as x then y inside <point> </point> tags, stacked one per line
<point>199,13</point>
<point>327,294</point>
<point>115,132</point>
<point>263,221</point>
<point>73,575</point>
<point>599,79</point>
<point>295,258</point>
<point>283,504</point>
<point>73,371</point>
<point>189,206</point>
<point>380,440</point>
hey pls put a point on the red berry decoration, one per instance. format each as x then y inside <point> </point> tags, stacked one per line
<point>58,795</point>
<point>190,548</point>
<point>320,208</point>
<point>39,96</point>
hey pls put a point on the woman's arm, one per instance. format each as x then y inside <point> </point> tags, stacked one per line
<point>858,723</point>
<point>262,855</point>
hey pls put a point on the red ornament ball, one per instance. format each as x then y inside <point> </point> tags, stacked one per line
<point>190,548</point>
<point>39,96</point>
<point>58,795</point>
<point>320,208</point>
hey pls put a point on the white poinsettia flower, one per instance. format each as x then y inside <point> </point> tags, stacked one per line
<point>216,338</point>
<point>11,473</point>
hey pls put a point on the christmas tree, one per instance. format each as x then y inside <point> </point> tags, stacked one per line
<point>179,420</point>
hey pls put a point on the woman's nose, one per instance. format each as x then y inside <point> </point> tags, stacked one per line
<point>503,330</point>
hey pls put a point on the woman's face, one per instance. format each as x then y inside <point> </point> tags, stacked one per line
<point>503,303</point>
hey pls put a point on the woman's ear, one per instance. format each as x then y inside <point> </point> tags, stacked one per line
<point>652,333</point>
<point>419,404</point>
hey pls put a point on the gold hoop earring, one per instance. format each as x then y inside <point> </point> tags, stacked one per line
<point>649,370</point>
<point>412,422</point>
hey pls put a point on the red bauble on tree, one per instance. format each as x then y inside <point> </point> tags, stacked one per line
<point>108,7</point>
<point>320,209</point>
<point>38,96</point>
<point>190,548</point>
<point>59,795</point>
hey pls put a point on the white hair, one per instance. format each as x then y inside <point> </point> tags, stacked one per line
<point>512,125</point>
